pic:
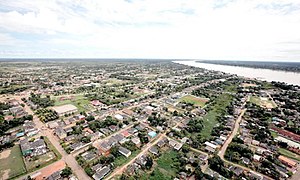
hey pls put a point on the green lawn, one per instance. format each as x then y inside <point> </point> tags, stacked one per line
<point>263,103</point>
<point>166,162</point>
<point>289,154</point>
<point>210,119</point>
<point>12,165</point>
<point>120,160</point>
<point>194,100</point>
<point>81,102</point>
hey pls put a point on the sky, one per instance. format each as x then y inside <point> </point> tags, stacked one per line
<point>168,29</point>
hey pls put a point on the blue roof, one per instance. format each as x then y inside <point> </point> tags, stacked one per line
<point>20,134</point>
<point>152,134</point>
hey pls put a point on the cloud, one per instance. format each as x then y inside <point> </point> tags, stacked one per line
<point>220,29</point>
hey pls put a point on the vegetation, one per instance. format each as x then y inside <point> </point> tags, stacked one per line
<point>196,101</point>
<point>47,115</point>
<point>13,165</point>
<point>42,102</point>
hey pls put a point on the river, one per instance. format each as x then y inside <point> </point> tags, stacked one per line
<point>262,74</point>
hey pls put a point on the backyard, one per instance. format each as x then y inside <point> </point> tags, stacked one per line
<point>11,163</point>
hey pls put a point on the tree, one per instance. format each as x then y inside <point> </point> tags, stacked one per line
<point>66,172</point>
<point>149,162</point>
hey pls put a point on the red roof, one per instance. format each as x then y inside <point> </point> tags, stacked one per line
<point>288,134</point>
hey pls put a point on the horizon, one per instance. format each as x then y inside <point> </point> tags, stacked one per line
<point>151,29</point>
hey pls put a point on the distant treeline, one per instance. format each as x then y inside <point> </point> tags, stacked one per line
<point>282,66</point>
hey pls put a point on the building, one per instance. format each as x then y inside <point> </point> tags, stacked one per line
<point>35,148</point>
<point>65,109</point>
<point>125,152</point>
<point>100,174</point>
<point>290,163</point>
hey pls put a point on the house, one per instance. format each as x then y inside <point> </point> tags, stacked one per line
<point>287,161</point>
<point>97,103</point>
<point>178,146</point>
<point>35,148</point>
<point>104,148</point>
<point>97,167</point>
<point>60,133</point>
<point>125,152</point>
<point>100,174</point>
<point>152,134</point>
<point>154,150</point>
<point>89,155</point>
<point>119,117</point>
<point>210,147</point>
<point>54,176</point>
<point>113,128</point>
<point>257,158</point>
<point>141,160</point>
<point>126,134</point>
<point>128,112</point>
<point>162,142</point>
<point>52,124</point>
<point>245,160</point>
<point>136,141</point>
<point>118,137</point>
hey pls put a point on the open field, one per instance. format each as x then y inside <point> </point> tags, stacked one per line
<point>164,169</point>
<point>263,102</point>
<point>81,102</point>
<point>194,100</point>
<point>210,119</point>
<point>289,154</point>
<point>11,163</point>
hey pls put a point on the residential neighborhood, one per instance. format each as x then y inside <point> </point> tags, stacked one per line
<point>145,120</point>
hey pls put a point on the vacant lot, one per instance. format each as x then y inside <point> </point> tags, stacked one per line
<point>263,102</point>
<point>11,163</point>
<point>81,102</point>
<point>210,119</point>
<point>194,100</point>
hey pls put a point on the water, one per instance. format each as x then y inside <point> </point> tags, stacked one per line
<point>262,74</point>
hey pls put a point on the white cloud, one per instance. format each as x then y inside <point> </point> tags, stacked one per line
<point>233,29</point>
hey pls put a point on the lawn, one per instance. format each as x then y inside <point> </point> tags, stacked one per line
<point>262,102</point>
<point>120,160</point>
<point>289,154</point>
<point>11,163</point>
<point>194,100</point>
<point>81,102</point>
<point>210,119</point>
<point>166,162</point>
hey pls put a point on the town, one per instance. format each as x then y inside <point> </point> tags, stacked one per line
<point>144,119</point>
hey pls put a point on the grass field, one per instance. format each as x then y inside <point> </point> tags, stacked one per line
<point>11,163</point>
<point>289,154</point>
<point>81,102</point>
<point>262,102</point>
<point>210,119</point>
<point>165,169</point>
<point>194,100</point>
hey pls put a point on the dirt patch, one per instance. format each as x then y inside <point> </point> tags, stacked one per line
<point>5,154</point>
<point>5,174</point>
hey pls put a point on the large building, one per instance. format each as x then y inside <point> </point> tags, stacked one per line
<point>65,109</point>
